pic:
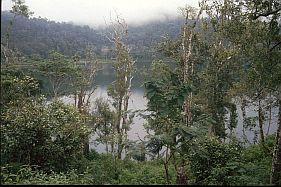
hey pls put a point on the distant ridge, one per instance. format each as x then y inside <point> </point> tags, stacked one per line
<point>39,36</point>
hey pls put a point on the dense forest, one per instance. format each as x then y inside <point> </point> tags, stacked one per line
<point>202,69</point>
<point>33,36</point>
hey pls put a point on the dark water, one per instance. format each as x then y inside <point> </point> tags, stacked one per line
<point>138,102</point>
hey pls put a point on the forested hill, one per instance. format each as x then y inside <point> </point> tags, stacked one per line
<point>39,36</point>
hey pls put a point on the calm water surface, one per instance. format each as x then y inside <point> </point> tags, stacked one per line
<point>137,101</point>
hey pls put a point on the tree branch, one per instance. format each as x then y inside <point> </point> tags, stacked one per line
<point>275,46</point>
<point>256,16</point>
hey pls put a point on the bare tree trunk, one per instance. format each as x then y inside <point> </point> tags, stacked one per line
<point>80,102</point>
<point>119,146</point>
<point>270,115</point>
<point>106,147</point>
<point>243,109</point>
<point>75,99</point>
<point>118,128</point>
<point>261,121</point>
<point>270,118</point>
<point>165,162</point>
<point>112,145</point>
<point>53,83</point>
<point>181,176</point>
<point>188,65</point>
<point>276,160</point>
<point>186,57</point>
<point>123,70</point>
<point>87,103</point>
<point>125,106</point>
<point>86,146</point>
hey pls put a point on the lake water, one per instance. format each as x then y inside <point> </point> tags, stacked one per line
<point>137,101</point>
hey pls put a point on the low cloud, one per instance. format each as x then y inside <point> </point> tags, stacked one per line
<point>98,12</point>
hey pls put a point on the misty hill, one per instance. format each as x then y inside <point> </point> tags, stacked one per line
<point>39,36</point>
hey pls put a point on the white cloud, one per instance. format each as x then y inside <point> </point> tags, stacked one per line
<point>95,12</point>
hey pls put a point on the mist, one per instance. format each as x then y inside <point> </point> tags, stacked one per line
<point>98,13</point>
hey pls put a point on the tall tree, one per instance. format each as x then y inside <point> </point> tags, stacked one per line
<point>120,89</point>
<point>83,79</point>
<point>276,159</point>
<point>187,62</point>
<point>254,28</point>
<point>58,70</point>
<point>103,119</point>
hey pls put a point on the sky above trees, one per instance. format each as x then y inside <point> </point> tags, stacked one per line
<point>99,12</point>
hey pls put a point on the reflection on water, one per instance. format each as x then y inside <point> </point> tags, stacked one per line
<point>138,102</point>
<point>105,76</point>
<point>253,135</point>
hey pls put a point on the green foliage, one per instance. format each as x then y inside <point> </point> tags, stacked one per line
<point>58,70</point>
<point>100,170</point>
<point>103,121</point>
<point>32,175</point>
<point>45,135</point>
<point>235,53</point>
<point>83,76</point>
<point>104,169</point>
<point>17,87</point>
<point>217,163</point>
<point>137,151</point>
<point>69,39</point>
<point>69,130</point>
<point>120,89</point>
<point>257,160</point>
<point>164,95</point>
<point>252,168</point>
<point>19,8</point>
<point>24,120</point>
<point>210,154</point>
<point>144,173</point>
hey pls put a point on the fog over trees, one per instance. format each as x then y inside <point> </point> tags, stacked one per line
<point>209,79</point>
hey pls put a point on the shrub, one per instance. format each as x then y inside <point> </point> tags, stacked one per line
<point>209,155</point>
<point>50,136</point>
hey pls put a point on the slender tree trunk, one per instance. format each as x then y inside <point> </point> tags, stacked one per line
<point>276,160</point>
<point>187,47</point>
<point>125,122</point>
<point>243,109</point>
<point>112,144</point>
<point>86,146</point>
<point>270,115</point>
<point>261,121</point>
<point>106,147</point>
<point>53,83</point>
<point>123,70</point>
<point>75,99</point>
<point>165,162</point>
<point>188,65</point>
<point>181,176</point>
<point>118,128</point>
<point>119,146</point>
<point>80,100</point>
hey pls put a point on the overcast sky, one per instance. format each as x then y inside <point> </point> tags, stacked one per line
<point>96,12</point>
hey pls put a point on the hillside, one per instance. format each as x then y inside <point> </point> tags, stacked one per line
<point>39,36</point>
